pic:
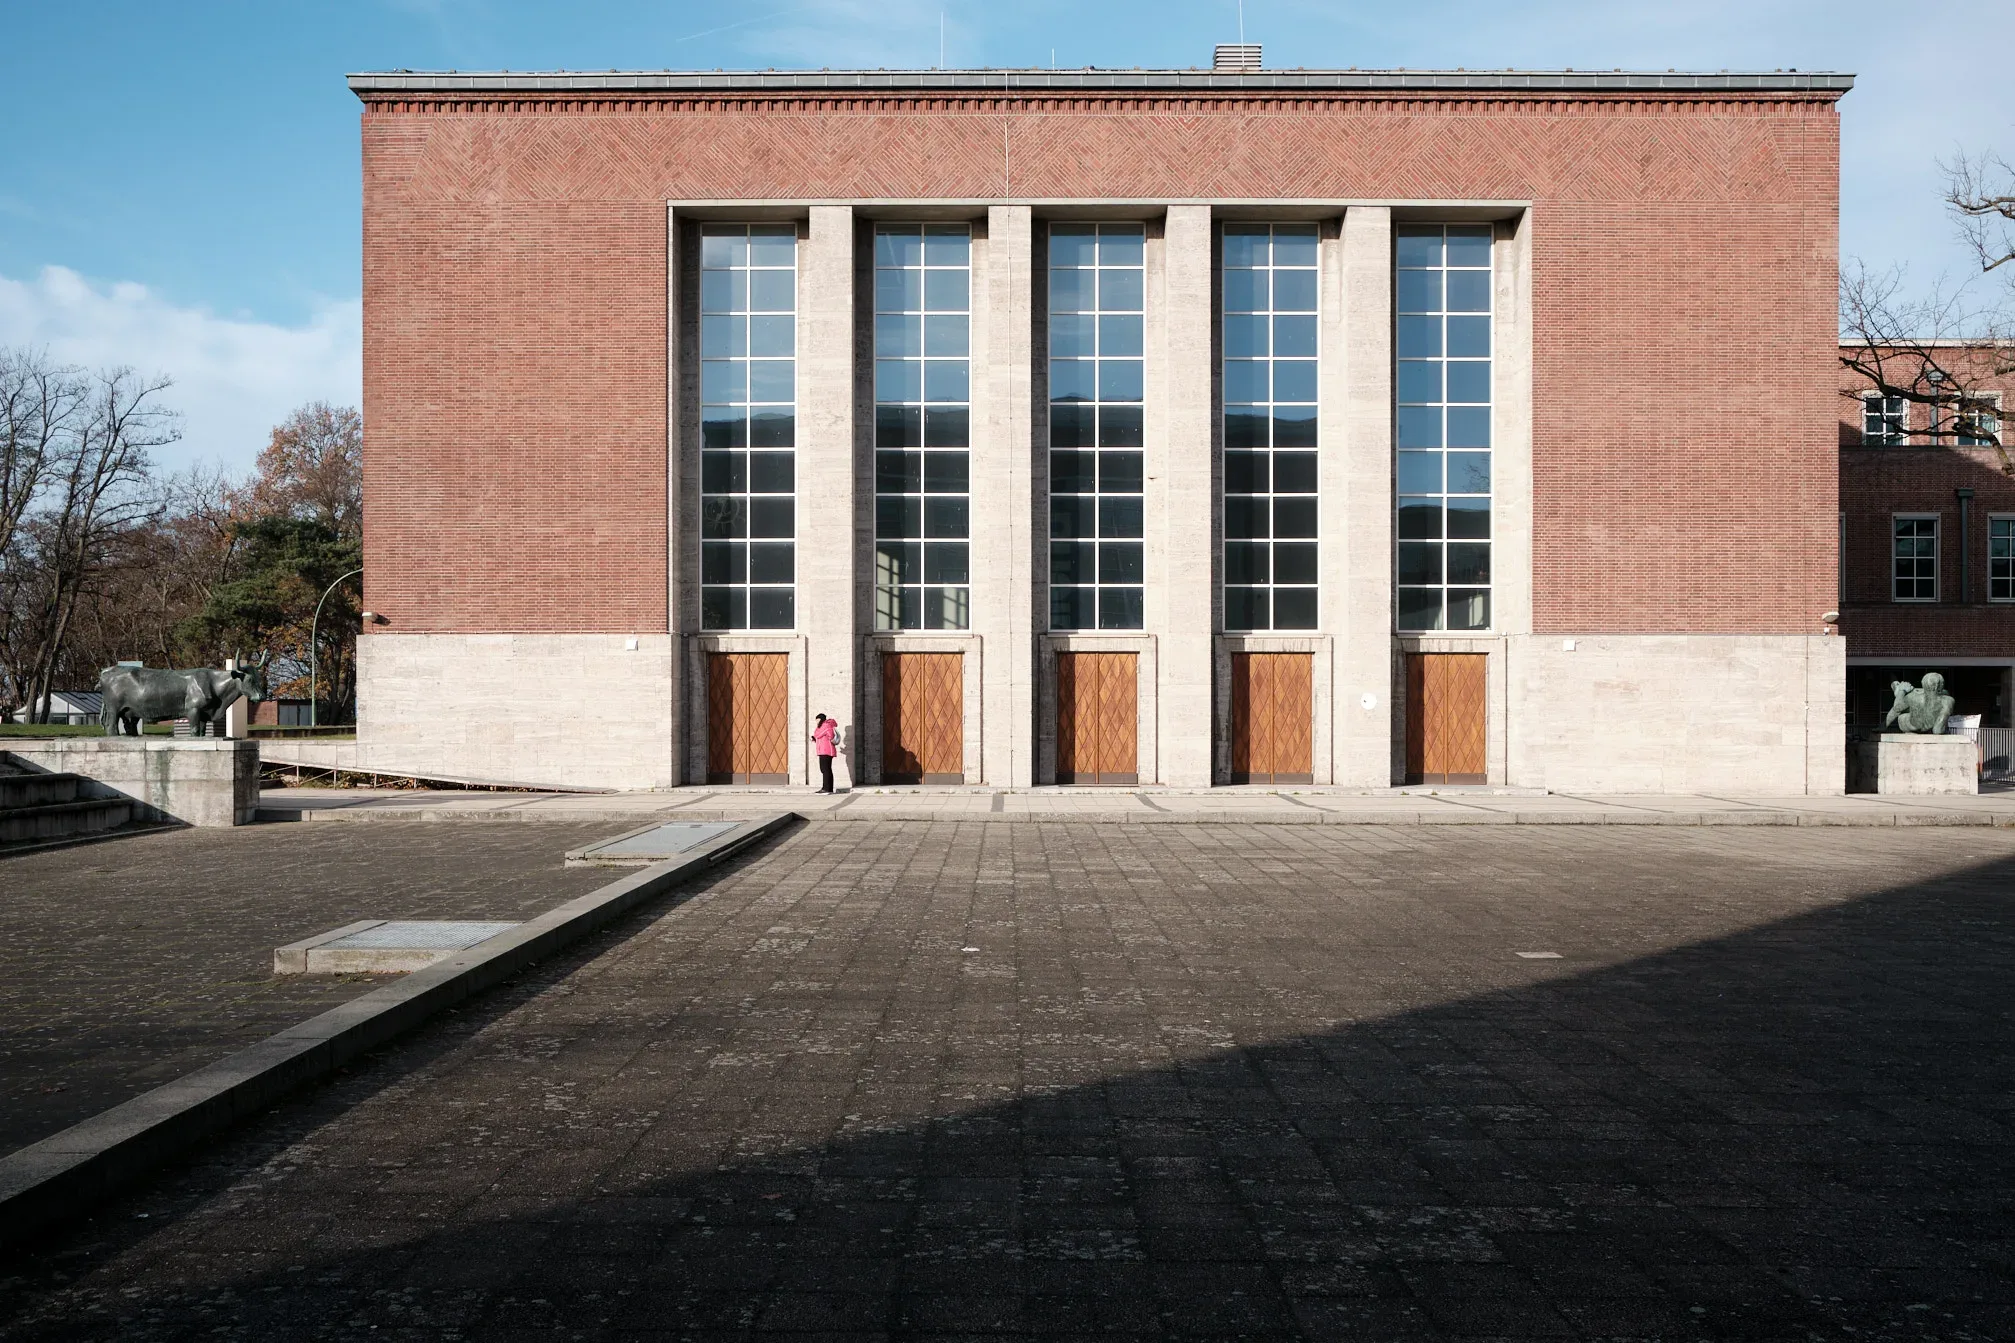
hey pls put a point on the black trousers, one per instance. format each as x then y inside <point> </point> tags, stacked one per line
<point>826,773</point>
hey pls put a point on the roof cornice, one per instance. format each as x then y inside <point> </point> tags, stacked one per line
<point>1551,82</point>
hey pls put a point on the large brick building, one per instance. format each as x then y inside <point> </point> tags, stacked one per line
<point>1927,530</point>
<point>1190,427</point>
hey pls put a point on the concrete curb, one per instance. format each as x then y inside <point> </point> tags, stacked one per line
<point>1778,816</point>
<point>67,1173</point>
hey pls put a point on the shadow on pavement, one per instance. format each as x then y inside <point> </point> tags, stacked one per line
<point>1794,1132</point>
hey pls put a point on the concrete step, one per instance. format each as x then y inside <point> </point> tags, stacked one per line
<point>60,820</point>
<point>37,790</point>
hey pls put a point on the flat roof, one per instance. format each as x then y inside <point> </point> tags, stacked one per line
<point>1256,81</point>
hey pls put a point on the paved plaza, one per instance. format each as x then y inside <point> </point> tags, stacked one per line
<point>126,964</point>
<point>954,1079</point>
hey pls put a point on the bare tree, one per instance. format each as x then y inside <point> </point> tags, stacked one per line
<point>1945,349</point>
<point>100,494</point>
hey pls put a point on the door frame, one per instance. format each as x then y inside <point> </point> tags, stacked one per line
<point>868,759</point>
<point>697,649</point>
<point>1322,669</point>
<point>1146,665</point>
<point>1495,648</point>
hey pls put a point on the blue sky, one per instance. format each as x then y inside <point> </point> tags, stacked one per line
<point>179,183</point>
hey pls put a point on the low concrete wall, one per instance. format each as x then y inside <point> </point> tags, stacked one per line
<point>1908,764</point>
<point>203,781</point>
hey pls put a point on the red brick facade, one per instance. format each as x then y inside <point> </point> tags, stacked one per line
<point>1683,314</point>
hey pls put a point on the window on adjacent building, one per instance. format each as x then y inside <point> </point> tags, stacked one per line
<point>1269,427</point>
<point>1442,342</point>
<point>1885,420</point>
<point>1095,465</point>
<point>748,426</point>
<point>923,418</point>
<point>2001,559</point>
<point>1914,566</point>
<point>1979,422</point>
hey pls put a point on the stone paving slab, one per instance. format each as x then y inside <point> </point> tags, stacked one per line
<point>128,964</point>
<point>944,1080</point>
<point>1301,806</point>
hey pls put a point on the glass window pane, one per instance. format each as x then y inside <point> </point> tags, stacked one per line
<point>1419,473</point>
<point>724,608</point>
<point>1294,516</point>
<point>723,517</point>
<point>1294,244</point>
<point>947,473</point>
<point>1073,562</point>
<point>1294,426</point>
<point>1072,472</point>
<point>947,608</point>
<point>772,427</point>
<point>1469,473</point>
<point>1469,380</point>
<point>946,515</point>
<point>724,427</point>
<point>774,337</point>
<point>1294,380</point>
<point>1469,562</point>
<point>1120,608</point>
<point>898,517</point>
<point>948,335</point>
<point>1469,291</point>
<point>1246,516</point>
<point>1119,379</point>
<point>1294,608</point>
<point>898,336</point>
<point>1419,426</point>
<point>1469,244</point>
<point>724,380</point>
<point>947,245</point>
<point>946,290</point>
<point>724,562</point>
<point>772,516</point>
<point>1073,245</point>
<point>1417,245</point>
<point>898,562</point>
<point>1294,472</point>
<point>771,608</point>
<point>1245,427</point>
<point>1469,426</point>
<point>1294,337</point>
<point>1071,336</point>
<point>1246,380</point>
<point>1246,562</point>
<point>1418,338</point>
<point>1072,380</point>
<point>899,290</point>
<point>1419,608</point>
<point>1246,291</point>
<point>772,472</point>
<point>1072,515</point>
<point>947,562</point>
<point>1419,519</point>
<point>1246,609</point>
<point>1468,609</point>
<point>898,426</point>
<point>1119,336</point>
<point>1419,562</point>
<point>1245,336</point>
<point>898,380</point>
<point>1418,381</point>
<point>1294,562</point>
<point>1294,290</point>
<point>1119,290</point>
<point>773,380</point>
<point>898,247</point>
<point>1072,290</point>
<point>772,291</point>
<point>1469,518</point>
<point>1072,425</point>
<point>727,247</point>
<point>1120,561</point>
<point>724,337</point>
<point>1119,472</point>
<point>1119,517</point>
<point>1468,337</point>
<point>724,291</point>
<point>1417,291</point>
<point>773,244</point>
<point>1246,473</point>
<point>947,427</point>
<point>1119,246</point>
<point>1245,245</point>
<point>1070,608</point>
<point>1119,426</point>
<point>723,472</point>
<point>947,380</point>
<point>772,562</point>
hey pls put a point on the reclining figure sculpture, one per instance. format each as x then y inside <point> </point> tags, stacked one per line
<point>138,695</point>
<point>1922,709</point>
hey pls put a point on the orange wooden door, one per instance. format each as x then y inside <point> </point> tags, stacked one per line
<point>1446,716</point>
<point>1272,718</point>
<point>923,718</point>
<point>1098,715</point>
<point>748,718</point>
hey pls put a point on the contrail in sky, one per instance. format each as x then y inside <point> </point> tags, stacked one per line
<point>709,32</point>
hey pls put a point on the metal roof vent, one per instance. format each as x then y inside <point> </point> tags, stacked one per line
<point>1236,56</point>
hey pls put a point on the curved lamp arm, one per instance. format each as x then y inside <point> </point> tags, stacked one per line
<point>313,627</point>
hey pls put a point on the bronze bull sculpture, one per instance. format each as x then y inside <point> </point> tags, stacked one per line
<point>137,695</point>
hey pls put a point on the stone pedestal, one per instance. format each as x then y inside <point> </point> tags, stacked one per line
<point>1910,764</point>
<point>197,781</point>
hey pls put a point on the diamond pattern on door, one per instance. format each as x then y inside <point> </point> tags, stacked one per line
<point>1098,715</point>
<point>748,718</point>
<point>1446,717</point>
<point>923,718</point>
<point>1272,718</point>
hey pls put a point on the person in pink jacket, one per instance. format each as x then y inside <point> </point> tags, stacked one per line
<point>823,733</point>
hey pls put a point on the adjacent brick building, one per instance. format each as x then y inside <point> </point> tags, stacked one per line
<point>1190,427</point>
<point>1927,519</point>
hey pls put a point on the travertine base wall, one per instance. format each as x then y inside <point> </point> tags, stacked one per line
<point>576,710</point>
<point>1758,714</point>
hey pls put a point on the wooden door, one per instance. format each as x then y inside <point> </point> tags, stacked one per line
<point>1097,718</point>
<point>1445,718</point>
<point>1272,718</point>
<point>748,718</point>
<point>923,718</point>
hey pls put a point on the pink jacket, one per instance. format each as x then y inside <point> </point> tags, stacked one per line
<point>822,737</point>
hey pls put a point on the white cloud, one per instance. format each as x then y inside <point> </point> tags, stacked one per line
<point>234,378</point>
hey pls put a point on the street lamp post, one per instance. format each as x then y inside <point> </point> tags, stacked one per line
<point>313,627</point>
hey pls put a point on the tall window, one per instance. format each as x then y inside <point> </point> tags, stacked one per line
<point>748,426</point>
<point>1914,572</point>
<point>1442,425</point>
<point>1095,375</point>
<point>2001,559</point>
<point>923,417</point>
<point>1884,420</point>
<point>1269,427</point>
